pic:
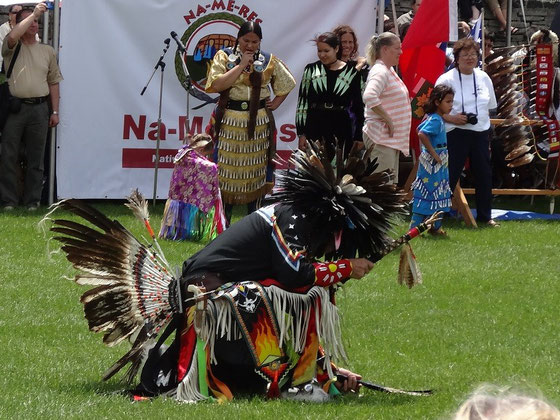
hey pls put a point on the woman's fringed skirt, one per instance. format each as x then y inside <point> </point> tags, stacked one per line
<point>243,163</point>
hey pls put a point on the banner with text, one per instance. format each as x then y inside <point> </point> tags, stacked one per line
<point>107,136</point>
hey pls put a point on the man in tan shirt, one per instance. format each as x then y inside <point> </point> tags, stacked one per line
<point>34,80</point>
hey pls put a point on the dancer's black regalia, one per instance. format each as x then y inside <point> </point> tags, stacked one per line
<point>253,310</point>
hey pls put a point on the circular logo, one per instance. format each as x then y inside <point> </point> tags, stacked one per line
<point>202,40</point>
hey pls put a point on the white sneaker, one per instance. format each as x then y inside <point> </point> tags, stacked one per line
<point>9,208</point>
<point>33,207</point>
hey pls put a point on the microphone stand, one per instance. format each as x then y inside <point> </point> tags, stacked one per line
<point>161,65</point>
<point>188,86</point>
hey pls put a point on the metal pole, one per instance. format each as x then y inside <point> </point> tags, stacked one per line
<point>188,86</point>
<point>46,19</point>
<point>52,151</point>
<point>482,40</point>
<point>56,25</point>
<point>394,10</point>
<point>162,66</point>
<point>508,23</point>
<point>380,13</point>
<point>188,117</point>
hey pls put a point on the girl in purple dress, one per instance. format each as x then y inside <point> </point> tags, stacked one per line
<point>194,207</point>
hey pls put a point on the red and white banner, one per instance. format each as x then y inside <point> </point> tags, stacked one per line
<point>423,57</point>
<point>107,135</point>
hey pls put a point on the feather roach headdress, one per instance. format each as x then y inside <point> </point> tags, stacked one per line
<point>348,199</point>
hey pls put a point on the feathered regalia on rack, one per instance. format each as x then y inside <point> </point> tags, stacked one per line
<point>254,310</point>
<point>527,84</point>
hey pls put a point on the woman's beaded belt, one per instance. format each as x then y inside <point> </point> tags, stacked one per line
<point>34,101</point>
<point>327,106</point>
<point>242,105</point>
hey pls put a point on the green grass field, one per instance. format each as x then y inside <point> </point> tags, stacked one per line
<point>487,312</point>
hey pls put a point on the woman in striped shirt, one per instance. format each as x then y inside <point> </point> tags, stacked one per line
<point>387,104</point>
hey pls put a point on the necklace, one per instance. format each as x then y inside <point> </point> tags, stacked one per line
<point>329,66</point>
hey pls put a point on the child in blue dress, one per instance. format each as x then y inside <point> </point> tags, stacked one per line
<point>431,186</point>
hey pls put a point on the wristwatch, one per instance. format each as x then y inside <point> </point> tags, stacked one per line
<point>55,112</point>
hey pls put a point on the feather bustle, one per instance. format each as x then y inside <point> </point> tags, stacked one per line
<point>131,281</point>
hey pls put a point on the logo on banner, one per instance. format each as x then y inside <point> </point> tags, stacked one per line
<point>211,27</point>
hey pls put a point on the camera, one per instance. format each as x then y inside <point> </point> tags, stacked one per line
<point>50,5</point>
<point>471,118</point>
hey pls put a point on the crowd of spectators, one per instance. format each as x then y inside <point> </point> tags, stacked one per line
<point>374,108</point>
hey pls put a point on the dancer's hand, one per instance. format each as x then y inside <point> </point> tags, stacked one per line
<point>360,267</point>
<point>351,383</point>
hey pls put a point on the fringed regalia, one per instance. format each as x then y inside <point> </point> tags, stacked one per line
<point>431,186</point>
<point>194,208</point>
<point>245,158</point>
<point>254,310</point>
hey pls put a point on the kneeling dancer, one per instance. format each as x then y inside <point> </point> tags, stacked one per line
<point>254,310</point>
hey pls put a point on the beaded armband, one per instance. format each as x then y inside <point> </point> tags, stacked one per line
<point>329,273</point>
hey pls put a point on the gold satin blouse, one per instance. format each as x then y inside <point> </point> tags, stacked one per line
<point>276,75</point>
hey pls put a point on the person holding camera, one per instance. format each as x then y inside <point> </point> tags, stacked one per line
<point>468,124</point>
<point>34,84</point>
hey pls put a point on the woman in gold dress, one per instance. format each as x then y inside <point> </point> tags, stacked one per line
<point>244,127</point>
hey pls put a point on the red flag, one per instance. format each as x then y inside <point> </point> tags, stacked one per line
<point>435,21</point>
<point>423,57</point>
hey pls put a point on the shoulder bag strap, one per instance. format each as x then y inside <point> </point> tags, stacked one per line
<point>14,58</point>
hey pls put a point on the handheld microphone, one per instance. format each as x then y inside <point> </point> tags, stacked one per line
<point>180,45</point>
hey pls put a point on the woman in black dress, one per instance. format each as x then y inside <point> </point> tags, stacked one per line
<point>330,89</point>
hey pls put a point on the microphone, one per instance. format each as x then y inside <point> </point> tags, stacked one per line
<point>180,45</point>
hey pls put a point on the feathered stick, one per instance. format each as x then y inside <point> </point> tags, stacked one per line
<point>139,207</point>
<point>381,388</point>
<point>409,272</point>
<point>411,234</point>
